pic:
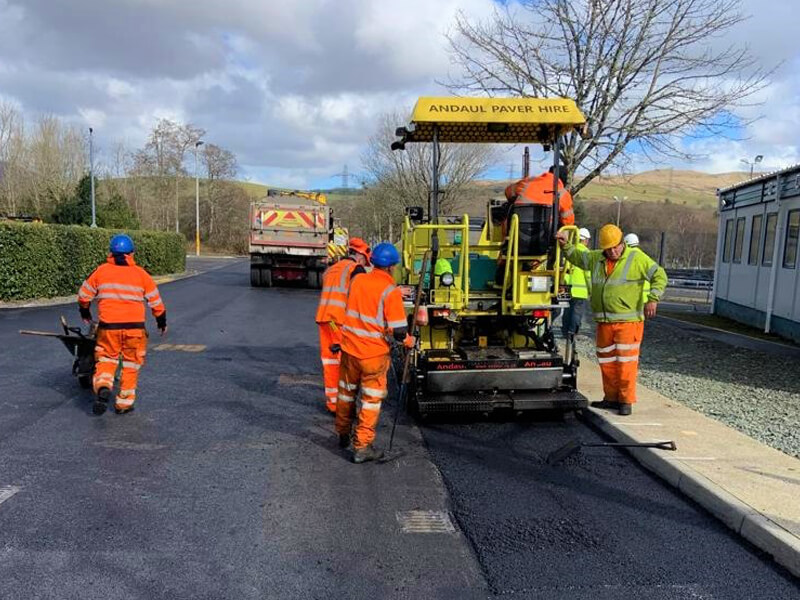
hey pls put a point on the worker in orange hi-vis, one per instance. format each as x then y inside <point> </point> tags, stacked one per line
<point>121,289</point>
<point>538,190</point>
<point>330,313</point>
<point>374,309</point>
<point>618,274</point>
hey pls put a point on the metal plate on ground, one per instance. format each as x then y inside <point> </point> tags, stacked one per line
<point>299,379</point>
<point>425,521</point>
<point>7,491</point>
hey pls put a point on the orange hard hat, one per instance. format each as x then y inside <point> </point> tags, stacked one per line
<point>610,236</point>
<point>360,246</point>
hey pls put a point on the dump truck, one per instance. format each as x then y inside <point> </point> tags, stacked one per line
<point>485,319</point>
<point>293,238</point>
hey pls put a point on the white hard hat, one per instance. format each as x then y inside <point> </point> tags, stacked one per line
<point>632,240</point>
<point>584,233</point>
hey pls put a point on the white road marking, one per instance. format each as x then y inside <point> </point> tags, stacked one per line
<point>8,491</point>
<point>691,458</point>
<point>637,424</point>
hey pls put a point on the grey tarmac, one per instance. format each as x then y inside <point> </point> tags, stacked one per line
<point>227,483</point>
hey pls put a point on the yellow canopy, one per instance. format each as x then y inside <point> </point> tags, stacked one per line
<point>494,120</point>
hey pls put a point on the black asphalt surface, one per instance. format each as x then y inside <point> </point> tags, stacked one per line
<point>227,483</point>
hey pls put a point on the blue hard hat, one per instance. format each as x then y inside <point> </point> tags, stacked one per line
<point>385,255</point>
<point>121,244</point>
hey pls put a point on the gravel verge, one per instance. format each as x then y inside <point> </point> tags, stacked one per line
<point>753,392</point>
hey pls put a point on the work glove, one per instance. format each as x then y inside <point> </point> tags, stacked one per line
<point>335,348</point>
<point>410,341</point>
<point>86,314</point>
<point>161,323</point>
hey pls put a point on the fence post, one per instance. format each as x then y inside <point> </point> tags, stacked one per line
<point>662,248</point>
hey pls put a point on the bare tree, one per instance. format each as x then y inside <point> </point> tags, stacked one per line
<point>644,72</point>
<point>399,179</point>
<point>220,166</point>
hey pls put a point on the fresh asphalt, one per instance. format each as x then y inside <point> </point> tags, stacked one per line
<point>227,483</point>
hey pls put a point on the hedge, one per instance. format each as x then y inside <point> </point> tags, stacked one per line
<point>43,261</point>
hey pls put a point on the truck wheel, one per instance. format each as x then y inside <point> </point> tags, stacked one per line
<point>255,276</point>
<point>266,277</point>
<point>313,280</point>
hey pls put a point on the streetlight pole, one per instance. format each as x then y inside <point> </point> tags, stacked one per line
<point>619,206</point>
<point>752,163</point>
<point>91,174</point>
<point>197,144</point>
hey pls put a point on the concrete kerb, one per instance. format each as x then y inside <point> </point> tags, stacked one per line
<point>746,521</point>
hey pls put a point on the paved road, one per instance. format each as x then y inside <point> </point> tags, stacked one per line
<point>227,483</point>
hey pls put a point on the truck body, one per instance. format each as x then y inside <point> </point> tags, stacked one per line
<point>290,233</point>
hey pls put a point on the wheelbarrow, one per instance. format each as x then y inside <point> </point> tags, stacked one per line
<point>80,346</point>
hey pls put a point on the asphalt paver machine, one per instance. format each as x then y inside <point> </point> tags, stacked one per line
<point>485,319</point>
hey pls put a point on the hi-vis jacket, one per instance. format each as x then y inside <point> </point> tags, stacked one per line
<point>616,297</point>
<point>335,287</point>
<point>121,291</point>
<point>374,307</point>
<point>581,284</point>
<point>539,190</point>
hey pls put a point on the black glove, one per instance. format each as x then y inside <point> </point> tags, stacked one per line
<point>161,321</point>
<point>335,348</point>
<point>86,313</point>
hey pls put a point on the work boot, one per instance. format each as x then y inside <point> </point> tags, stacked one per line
<point>344,440</point>
<point>625,409</point>
<point>366,454</point>
<point>123,411</point>
<point>101,401</point>
<point>607,404</point>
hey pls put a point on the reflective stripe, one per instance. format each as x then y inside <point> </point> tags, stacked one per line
<point>128,393</point>
<point>615,282</point>
<point>105,359</point>
<point>628,262</point>
<point>656,293</point>
<point>607,348</point>
<point>371,320</point>
<point>85,296</point>
<point>397,324</point>
<point>344,398</point>
<point>88,287</point>
<point>652,271</point>
<point>331,390</point>
<point>102,377</point>
<point>389,289</point>
<point>330,361</point>
<point>154,304</point>
<point>627,346</point>
<point>628,358</point>
<point>566,213</point>
<point>152,294</point>
<point>607,360</point>
<point>362,332</point>
<point>348,386</point>
<point>120,286</point>
<point>114,296</point>
<point>125,402</point>
<point>374,392</point>
<point>370,405</point>
<point>330,302</point>
<point>126,364</point>
<point>618,316</point>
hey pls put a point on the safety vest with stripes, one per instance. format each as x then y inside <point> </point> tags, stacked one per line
<point>121,292</point>
<point>617,297</point>
<point>335,287</point>
<point>374,307</point>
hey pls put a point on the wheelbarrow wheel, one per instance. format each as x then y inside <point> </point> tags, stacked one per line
<point>85,381</point>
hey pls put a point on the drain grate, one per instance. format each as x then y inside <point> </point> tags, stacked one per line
<point>7,491</point>
<point>425,521</point>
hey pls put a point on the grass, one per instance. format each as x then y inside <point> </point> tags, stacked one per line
<point>725,324</point>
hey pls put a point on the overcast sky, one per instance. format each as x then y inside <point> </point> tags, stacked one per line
<point>293,88</point>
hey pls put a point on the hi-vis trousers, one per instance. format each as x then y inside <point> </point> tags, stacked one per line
<point>618,355</point>
<point>329,334</point>
<point>131,345</point>
<point>369,374</point>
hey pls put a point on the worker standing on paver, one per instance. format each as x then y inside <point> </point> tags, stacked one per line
<point>330,312</point>
<point>121,288</point>
<point>617,276</point>
<point>632,241</point>
<point>374,309</point>
<point>539,191</point>
<point>579,282</point>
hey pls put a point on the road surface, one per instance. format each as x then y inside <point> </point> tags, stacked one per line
<point>227,483</point>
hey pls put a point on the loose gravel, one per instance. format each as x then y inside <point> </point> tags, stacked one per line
<point>753,392</point>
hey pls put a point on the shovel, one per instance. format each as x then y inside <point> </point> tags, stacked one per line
<point>574,446</point>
